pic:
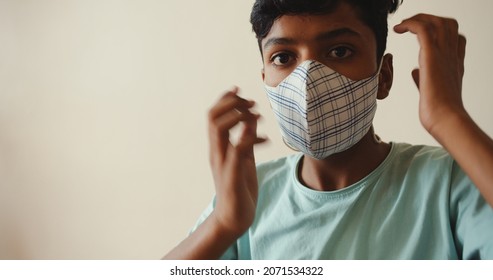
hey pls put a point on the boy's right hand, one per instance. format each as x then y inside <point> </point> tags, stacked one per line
<point>234,171</point>
<point>233,165</point>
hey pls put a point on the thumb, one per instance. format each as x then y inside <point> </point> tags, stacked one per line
<point>415,74</point>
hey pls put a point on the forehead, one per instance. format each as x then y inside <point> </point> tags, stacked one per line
<point>308,27</point>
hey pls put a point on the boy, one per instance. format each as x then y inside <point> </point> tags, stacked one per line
<point>347,195</point>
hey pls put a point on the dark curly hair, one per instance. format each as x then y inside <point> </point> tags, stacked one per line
<point>372,12</point>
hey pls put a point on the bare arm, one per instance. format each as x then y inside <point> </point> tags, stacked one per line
<point>235,178</point>
<point>439,79</point>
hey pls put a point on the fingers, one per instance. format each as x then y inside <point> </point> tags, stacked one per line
<point>229,111</point>
<point>430,29</point>
<point>415,74</point>
<point>461,51</point>
<point>249,138</point>
<point>435,32</point>
<point>424,23</point>
<point>440,42</point>
<point>230,100</point>
<point>441,66</point>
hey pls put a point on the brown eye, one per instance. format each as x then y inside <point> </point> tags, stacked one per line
<point>340,52</point>
<point>281,59</point>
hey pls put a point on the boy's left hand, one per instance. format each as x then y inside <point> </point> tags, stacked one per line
<point>441,68</point>
<point>439,79</point>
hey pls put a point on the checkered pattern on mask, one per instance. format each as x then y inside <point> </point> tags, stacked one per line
<point>321,112</point>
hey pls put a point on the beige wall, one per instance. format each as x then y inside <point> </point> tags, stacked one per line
<point>103,148</point>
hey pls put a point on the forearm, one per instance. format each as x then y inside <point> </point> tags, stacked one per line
<point>209,241</point>
<point>471,148</point>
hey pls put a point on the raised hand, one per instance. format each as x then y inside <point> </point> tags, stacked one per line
<point>441,67</point>
<point>235,178</point>
<point>233,165</point>
<point>441,111</point>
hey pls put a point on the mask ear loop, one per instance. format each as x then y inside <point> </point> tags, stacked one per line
<point>379,66</point>
<point>289,145</point>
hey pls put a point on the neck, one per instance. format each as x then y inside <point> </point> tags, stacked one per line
<point>346,168</point>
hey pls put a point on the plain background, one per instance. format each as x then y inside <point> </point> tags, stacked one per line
<point>103,103</point>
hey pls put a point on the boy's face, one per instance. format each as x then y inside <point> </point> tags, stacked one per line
<point>339,40</point>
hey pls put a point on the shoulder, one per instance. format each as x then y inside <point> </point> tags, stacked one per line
<point>420,165</point>
<point>281,169</point>
<point>420,151</point>
<point>282,164</point>
<point>417,166</point>
<point>421,156</point>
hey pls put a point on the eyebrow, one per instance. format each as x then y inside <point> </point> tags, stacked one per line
<point>279,41</point>
<point>329,35</point>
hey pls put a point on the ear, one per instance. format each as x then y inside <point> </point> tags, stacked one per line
<point>262,71</point>
<point>386,76</point>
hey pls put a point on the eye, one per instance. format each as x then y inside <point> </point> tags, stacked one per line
<point>281,59</point>
<point>340,52</point>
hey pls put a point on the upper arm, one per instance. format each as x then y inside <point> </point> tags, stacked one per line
<point>472,218</point>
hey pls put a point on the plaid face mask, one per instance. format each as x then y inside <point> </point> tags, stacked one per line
<point>321,112</point>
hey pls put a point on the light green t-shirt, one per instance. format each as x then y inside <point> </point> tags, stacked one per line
<point>418,204</point>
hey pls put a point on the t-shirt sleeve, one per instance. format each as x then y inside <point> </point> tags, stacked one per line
<point>231,252</point>
<point>472,218</point>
